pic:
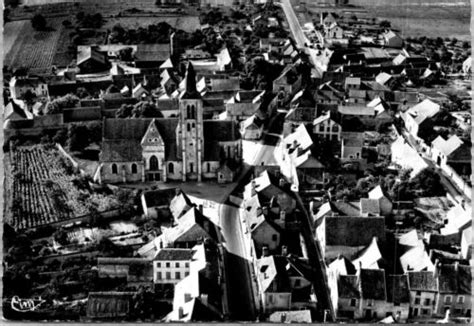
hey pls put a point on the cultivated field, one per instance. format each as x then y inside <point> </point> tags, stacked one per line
<point>430,21</point>
<point>29,48</point>
<point>46,189</point>
<point>186,23</point>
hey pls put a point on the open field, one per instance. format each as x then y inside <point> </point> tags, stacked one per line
<point>432,21</point>
<point>29,48</point>
<point>46,189</point>
<point>186,23</point>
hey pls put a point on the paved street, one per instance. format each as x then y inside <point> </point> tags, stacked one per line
<point>299,36</point>
<point>238,276</point>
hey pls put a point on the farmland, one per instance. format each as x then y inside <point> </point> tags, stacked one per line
<point>29,48</point>
<point>46,189</point>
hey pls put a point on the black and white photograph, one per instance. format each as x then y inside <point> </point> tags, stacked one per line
<point>236,161</point>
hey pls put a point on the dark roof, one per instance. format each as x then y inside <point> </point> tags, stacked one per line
<point>174,254</point>
<point>372,283</point>
<point>343,208</point>
<point>397,289</point>
<point>152,52</point>
<point>455,278</point>
<point>13,107</point>
<point>161,197</point>
<point>347,286</point>
<point>461,154</point>
<point>120,151</point>
<point>126,134</point>
<point>190,90</point>
<point>201,312</point>
<point>353,231</point>
<point>422,281</point>
<point>220,130</point>
<point>122,261</point>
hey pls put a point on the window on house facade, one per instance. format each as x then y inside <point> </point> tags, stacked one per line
<point>186,273</point>
<point>178,275</point>
<point>461,299</point>
<point>425,312</point>
<point>370,302</point>
<point>114,169</point>
<point>191,167</point>
<point>158,264</point>
<point>158,276</point>
<point>153,163</point>
<point>170,168</point>
<point>353,302</point>
<point>297,282</point>
<point>418,293</point>
<point>134,168</point>
<point>447,299</point>
<point>274,237</point>
<point>168,275</point>
<point>168,265</point>
<point>427,302</point>
<point>186,265</point>
<point>417,300</point>
<point>177,264</point>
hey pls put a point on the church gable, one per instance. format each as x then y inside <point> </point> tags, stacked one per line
<point>152,136</point>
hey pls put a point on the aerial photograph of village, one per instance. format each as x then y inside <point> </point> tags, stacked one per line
<point>285,161</point>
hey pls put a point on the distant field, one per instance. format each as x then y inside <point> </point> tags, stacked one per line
<point>409,2</point>
<point>431,21</point>
<point>186,23</point>
<point>28,48</point>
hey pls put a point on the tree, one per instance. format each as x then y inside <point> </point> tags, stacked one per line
<point>385,24</point>
<point>29,97</point>
<point>81,92</point>
<point>77,137</point>
<point>146,110</point>
<point>38,22</point>
<point>430,182</point>
<point>125,111</point>
<point>126,54</point>
<point>57,105</point>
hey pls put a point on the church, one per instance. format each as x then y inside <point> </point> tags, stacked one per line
<point>170,149</point>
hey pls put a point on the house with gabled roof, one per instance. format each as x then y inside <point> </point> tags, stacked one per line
<point>251,128</point>
<point>455,289</point>
<point>19,86</point>
<point>289,81</point>
<point>171,265</point>
<point>183,148</point>
<point>283,283</point>
<point>418,117</point>
<point>91,60</point>
<point>327,126</point>
<point>392,40</point>
<point>423,286</point>
<point>156,203</point>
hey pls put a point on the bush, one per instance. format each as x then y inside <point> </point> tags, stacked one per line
<point>38,22</point>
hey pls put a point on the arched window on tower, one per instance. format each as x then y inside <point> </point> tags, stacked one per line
<point>188,112</point>
<point>114,169</point>
<point>208,165</point>
<point>170,168</point>
<point>193,112</point>
<point>134,168</point>
<point>153,163</point>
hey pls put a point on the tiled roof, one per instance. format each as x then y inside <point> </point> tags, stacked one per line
<point>161,197</point>
<point>369,206</point>
<point>174,254</point>
<point>347,286</point>
<point>422,281</point>
<point>372,283</point>
<point>120,151</point>
<point>354,231</point>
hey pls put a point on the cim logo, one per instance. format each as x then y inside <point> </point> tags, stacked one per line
<point>25,305</point>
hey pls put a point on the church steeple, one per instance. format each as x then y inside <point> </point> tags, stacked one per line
<point>190,89</point>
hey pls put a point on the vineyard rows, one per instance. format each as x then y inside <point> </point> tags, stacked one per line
<point>43,191</point>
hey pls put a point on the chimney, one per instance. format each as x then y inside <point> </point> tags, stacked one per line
<point>436,266</point>
<point>282,182</point>
<point>283,216</point>
<point>284,250</point>
<point>283,317</point>
<point>204,298</point>
<point>265,252</point>
<point>265,210</point>
<point>200,208</point>
<point>180,312</point>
